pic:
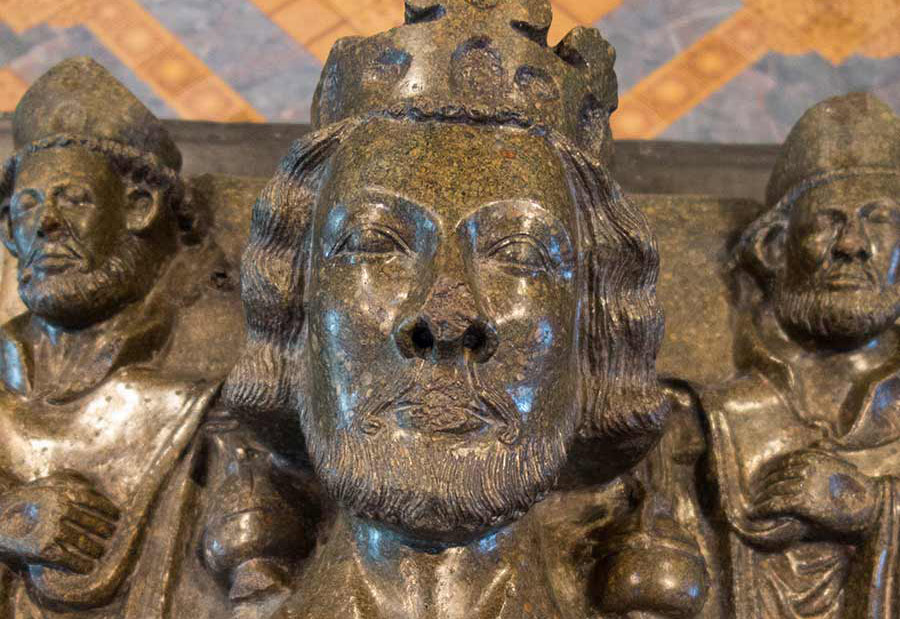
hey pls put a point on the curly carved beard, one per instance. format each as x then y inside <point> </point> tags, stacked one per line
<point>837,316</point>
<point>77,297</point>
<point>429,490</point>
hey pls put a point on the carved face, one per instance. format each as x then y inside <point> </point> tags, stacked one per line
<point>442,304</point>
<point>67,225</point>
<point>842,256</point>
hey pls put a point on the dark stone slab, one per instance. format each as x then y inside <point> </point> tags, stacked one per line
<point>695,235</point>
<point>246,149</point>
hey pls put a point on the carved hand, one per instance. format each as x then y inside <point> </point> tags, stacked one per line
<point>59,521</point>
<point>818,487</point>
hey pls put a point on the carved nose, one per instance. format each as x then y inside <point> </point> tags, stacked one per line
<point>416,338</point>
<point>49,224</point>
<point>853,243</point>
<point>448,325</point>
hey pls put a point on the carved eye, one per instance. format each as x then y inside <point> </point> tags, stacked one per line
<point>520,251</point>
<point>882,214</point>
<point>369,240</point>
<point>23,202</point>
<point>74,195</point>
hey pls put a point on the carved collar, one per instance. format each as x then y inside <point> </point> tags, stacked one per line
<point>62,368</point>
<point>873,403</point>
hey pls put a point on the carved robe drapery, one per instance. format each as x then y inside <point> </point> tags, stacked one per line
<point>127,429</point>
<point>782,569</point>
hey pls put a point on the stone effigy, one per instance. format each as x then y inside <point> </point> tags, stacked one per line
<point>443,289</point>
<point>434,391</point>
<point>820,352</point>
<point>95,418</point>
<point>802,442</point>
<point>108,376</point>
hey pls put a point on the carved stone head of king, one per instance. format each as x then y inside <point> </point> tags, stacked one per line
<point>444,289</point>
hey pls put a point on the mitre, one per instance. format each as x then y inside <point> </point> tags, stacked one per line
<point>79,98</point>
<point>849,135</point>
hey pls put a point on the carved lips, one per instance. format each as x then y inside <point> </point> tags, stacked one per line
<point>850,277</point>
<point>446,402</point>
<point>55,258</point>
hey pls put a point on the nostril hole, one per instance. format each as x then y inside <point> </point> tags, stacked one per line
<point>474,338</point>
<point>421,336</point>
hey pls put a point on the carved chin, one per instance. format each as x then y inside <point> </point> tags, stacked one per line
<point>74,297</point>
<point>435,491</point>
<point>839,316</point>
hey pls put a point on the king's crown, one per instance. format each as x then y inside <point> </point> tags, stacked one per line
<point>489,58</point>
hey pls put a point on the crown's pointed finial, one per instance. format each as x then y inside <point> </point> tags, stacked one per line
<point>486,57</point>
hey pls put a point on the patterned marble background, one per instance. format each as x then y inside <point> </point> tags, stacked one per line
<point>704,70</point>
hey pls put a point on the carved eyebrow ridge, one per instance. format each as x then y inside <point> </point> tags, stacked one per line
<point>885,203</point>
<point>551,220</point>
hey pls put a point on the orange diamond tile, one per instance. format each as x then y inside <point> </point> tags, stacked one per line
<point>142,44</point>
<point>634,121</point>
<point>674,88</point>
<point>306,20</point>
<point>677,87</point>
<point>885,43</point>
<point>173,70</point>
<point>715,59</point>
<point>376,17</point>
<point>12,87</point>
<point>833,28</point>
<point>587,11</point>
<point>348,8</point>
<point>269,6</point>
<point>137,41</point>
<point>560,26</point>
<point>209,100</point>
<point>747,33</point>
<point>110,15</point>
<point>321,47</point>
<point>20,15</point>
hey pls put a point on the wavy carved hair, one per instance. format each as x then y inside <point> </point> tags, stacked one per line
<point>621,320</point>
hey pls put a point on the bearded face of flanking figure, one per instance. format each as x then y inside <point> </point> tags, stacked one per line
<point>838,282</point>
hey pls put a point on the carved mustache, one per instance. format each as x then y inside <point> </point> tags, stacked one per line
<point>69,248</point>
<point>490,405</point>
<point>854,269</point>
<point>67,242</point>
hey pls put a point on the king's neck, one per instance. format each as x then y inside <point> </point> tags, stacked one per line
<point>413,578</point>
